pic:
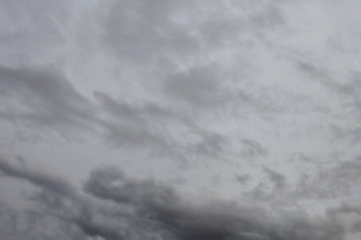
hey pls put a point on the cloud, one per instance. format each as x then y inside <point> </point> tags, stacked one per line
<point>252,148</point>
<point>200,87</point>
<point>243,179</point>
<point>201,81</point>
<point>149,124</point>
<point>180,32</point>
<point>41,97</point>
<point>142,30</point>
<point>145,208</point>
<point>33,31</point>
<point>130,125</point>
<point>336,181</point>
<point>211,144</point>
<point>277,179</point>
<point>44,180</point>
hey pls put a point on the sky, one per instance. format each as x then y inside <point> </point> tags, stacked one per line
<point>180,120</point>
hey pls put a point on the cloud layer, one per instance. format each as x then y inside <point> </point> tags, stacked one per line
<point>146,209</point>
<point>249,111</point>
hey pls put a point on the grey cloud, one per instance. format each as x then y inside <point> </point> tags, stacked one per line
<point>55,195</point>
<point>351,91</point>
<point>278,179</point>
<point>146,209</point>
<point>200,87</point>
<point>21,160</point>
<point>29,26</point>
<point>44,180</point>
<point>111,183</point>
<point>131,136</point>
<point>340,180</point>
<point>34,225</point>
<point>348,92</point>
<point>142,30</point>
<point>153,44</point>
<point>343,179</point>
<point>220,31</point>
<point>213,220</point>
<point>43,97</point>
<point>252,148</point>
<point>142,124</point>
<point>243,178</point>
<point>353,135</point>
<point>212,144</point>
<point>131,113</point>
<point>270,16</point>
<point>261,102</point>
<point>94,230</point>
<point>317,72</point>
<point>129,125</point>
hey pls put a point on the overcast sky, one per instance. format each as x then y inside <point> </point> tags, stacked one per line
<point>180,120</point>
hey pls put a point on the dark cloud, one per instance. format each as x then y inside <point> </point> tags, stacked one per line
<point>350,92</point>
<point>276,178</point>
<point>243,178</point>
<point>312,70</point>
<point>177,80</point>
<point>211,145</point>
<point>353,135</point>
<point>143,124</point>
<point>148,209</point>
<point>252,148</point>
<point>270,16</point>
<point>131,125</point>
<point>161,205</point>
<point>32,224</point>
<point>130,112</point>
<point>44,180</point>
<point>131,135</point>
<point>41,97</point>
<point>330,182</point>
<point>199,87</point>
<point>347,91</point>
